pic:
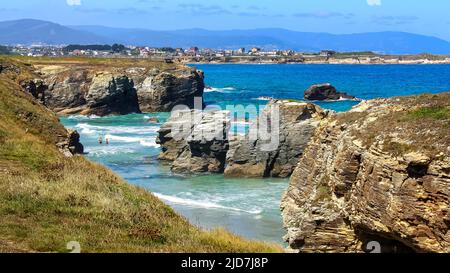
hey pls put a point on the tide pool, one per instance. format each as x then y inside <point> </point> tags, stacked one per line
<point>247,207</point>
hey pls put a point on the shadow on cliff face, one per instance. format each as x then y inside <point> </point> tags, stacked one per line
<point>376,243</point>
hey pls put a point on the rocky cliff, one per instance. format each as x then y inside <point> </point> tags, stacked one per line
<point>48,199</point>
<point>297,123</point>
<point>161,91</point>
<point>195,141</point>
<point>100,89</point>
<point>380,173</point>
<point>27,109</point>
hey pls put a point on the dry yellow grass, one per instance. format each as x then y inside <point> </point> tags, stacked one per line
<point>93,62</point>
<point>422,126</point>
<point>47,200</point>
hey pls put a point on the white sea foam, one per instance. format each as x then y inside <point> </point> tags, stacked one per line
<point>93,129</point>
<point>219,90</point>
<point>147,142</point>
<point>86,129</point>
<point>80,117</point>
<point>201,204</point>
<point>108,150</point>
<point>340,99</point>
<point>264,98</point>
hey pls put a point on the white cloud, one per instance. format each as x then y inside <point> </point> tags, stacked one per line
<point>73,2</point>
<point>374,2</point>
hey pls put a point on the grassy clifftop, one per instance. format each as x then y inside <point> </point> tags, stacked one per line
<point>48,200</point>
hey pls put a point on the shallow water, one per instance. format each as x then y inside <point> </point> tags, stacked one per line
<point>248,207</point>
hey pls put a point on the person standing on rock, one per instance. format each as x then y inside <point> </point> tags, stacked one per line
<point>100,139</point>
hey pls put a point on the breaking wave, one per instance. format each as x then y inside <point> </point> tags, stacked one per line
<point>219,90</point>
<point>202,204</point>
<point>147,142</point>
<point>92,129</point>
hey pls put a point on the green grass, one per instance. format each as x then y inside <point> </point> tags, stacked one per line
<point>48,200</point>
<point>418,124</point>
<point>436,113</point>
<point>25,152</point>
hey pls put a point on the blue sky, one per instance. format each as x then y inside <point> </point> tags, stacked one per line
<point>335,16</point>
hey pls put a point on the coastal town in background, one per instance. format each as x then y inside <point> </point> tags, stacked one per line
<point>225,127</point>
<point>209,55</point>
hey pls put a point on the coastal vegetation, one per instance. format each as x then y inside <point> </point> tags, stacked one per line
<point>48,200</point>
<point>436,113</point>
<point>379,172</point>
<point>96,62</point>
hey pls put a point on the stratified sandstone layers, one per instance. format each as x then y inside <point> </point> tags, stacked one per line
<point>100,90</point>
<point>378,173</point>
<point>195,141</point>
<point>206,143</point>
<point>160,92</point>
<point>110,94</point>
<point>276,156</point>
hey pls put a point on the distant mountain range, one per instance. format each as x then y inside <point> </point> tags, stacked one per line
<point>29,31</point>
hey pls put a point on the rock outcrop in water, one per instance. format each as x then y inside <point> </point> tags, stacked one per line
<point>380,173</point>
<point>110,94</point>
<point>195,141</point>
<point>206,144</point>
<point>160,92</point>
<point>325,91</point>
<point>100,94</point>
<point>251,158</point>
<point>79,89</point>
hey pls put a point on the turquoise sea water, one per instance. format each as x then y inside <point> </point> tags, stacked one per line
<point>246,83</point>
<point>248,207</point>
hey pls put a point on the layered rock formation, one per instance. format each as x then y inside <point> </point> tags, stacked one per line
<point>109,94</point>
<point>296,124</point>
<point>379,174</point>
<point>195,141</point>
<point>160,92</point>
<point>100,94</point>
<point>325,92</point>
<point>100,90</point>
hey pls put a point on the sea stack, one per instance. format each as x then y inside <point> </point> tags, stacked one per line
<point>297,124</point>
<point>195,141</point>
<point>325,91</point>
